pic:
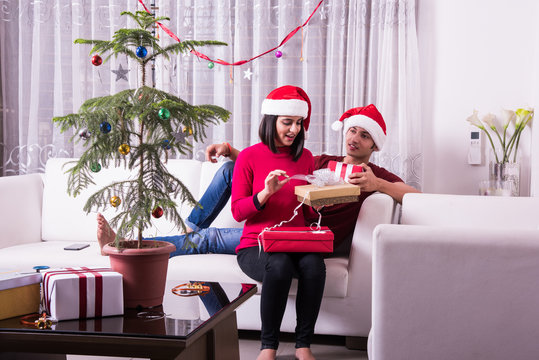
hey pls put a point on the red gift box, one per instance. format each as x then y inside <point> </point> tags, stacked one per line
<point>297,239</point>
<point>343,170</point>
<point>80,293</point>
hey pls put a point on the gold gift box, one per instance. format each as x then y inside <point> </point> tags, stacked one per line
<point>327,195</point>
<point>19,293</point>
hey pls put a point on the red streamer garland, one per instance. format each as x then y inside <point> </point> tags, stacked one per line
<point>241,62</point>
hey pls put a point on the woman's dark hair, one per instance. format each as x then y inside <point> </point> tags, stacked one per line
<point>268,131</point>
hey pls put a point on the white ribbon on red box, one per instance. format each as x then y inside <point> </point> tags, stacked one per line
<point>343,170</point>
<point>91,292</point>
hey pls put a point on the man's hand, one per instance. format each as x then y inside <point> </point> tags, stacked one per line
<point>213,151</point>
<point>366,179</point>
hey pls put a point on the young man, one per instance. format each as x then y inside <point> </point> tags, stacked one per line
<point>364,130</point>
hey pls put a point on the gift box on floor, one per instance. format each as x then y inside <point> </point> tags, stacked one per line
<point>19,293</point>
<point>80,293</point>
<point>297,239</point>
<point>343,170</point>
<point>327,195</point>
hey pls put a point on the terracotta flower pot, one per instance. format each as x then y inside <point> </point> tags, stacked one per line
<point>144,271</point>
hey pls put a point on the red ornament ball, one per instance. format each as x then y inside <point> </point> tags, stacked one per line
<point>278,54</point>
<point>96,60</point>
<point>157,212</point>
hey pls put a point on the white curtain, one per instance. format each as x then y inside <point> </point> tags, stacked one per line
<point>350,54</point>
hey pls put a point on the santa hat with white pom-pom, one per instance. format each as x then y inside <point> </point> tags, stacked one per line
<point>288,100</point>
<point>367,117</point>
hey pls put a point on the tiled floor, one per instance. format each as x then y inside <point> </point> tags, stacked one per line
<point>324,348</point>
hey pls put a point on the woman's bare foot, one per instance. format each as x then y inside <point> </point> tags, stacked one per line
<point>304,354</point>
<point>267,354</point>
<point>105,234</point>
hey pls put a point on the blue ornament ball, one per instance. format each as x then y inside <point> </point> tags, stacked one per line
<point>105,127</point>
<point>166,144</point>
<point>141,52</point>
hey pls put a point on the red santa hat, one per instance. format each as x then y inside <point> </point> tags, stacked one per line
<point>367,117</point>
<point>288,100</point>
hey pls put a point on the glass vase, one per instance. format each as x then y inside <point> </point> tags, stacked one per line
<point>509,172</point>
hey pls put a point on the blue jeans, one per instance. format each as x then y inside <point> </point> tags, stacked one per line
<point>205,239</point>
<point>214,198</point>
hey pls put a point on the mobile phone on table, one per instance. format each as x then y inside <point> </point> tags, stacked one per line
<point>76,246</point>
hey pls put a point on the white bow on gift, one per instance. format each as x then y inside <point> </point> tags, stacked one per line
<point>321,177</point>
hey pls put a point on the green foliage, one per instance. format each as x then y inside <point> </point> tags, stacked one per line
<point>134,119</point>
<point>125,41</point>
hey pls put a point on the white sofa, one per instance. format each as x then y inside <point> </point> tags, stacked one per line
<point>38,219</point>
<point>457,279</point>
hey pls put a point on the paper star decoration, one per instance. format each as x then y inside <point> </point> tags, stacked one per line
<point>247,74</point>
<point>121,73</point>
<point>180,136</point>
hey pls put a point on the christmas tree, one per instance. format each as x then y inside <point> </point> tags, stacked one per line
<point>138,128</point>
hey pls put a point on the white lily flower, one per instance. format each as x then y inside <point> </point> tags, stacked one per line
<point>474,120</point>
<point>489,120</point>
<point>508,116</point>
<point>508,143</point>
<point>523,117</point>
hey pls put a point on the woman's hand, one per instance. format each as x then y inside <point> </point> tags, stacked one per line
<point>272,184</point>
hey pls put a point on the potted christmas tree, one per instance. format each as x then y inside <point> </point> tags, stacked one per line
<point>138,128</point>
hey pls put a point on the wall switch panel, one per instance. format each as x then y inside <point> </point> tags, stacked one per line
<point>475,153</point>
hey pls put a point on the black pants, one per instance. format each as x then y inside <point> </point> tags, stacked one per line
<point>275,271</point>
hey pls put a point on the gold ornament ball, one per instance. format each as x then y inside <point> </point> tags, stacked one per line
<point>115,201</point>
<point>188,131</point>
<point>124,149</point>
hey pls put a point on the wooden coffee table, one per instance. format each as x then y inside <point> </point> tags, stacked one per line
<point>204,328</point>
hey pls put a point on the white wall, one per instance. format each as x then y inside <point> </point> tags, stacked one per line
<point>475,54</point>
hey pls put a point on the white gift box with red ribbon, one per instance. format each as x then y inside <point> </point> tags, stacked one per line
<point>82,292</point>
<point>343,170</point>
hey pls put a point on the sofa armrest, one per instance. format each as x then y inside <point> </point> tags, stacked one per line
<point>20,213</point>
<point>377,209</point>
<point>435,287</point>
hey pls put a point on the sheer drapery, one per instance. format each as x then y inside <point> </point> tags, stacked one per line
<point>351,53</point>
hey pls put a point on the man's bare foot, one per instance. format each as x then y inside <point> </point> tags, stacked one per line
<point>267,354</point>
<point>304,354</point>
<point>105,234</point>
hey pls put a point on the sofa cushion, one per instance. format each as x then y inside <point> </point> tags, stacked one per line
<point>207,267</point>
<point>225,268</point>
<point>52,254</point>
<point>63,216</point>
<point>481,211</point>
<point>21,199</point>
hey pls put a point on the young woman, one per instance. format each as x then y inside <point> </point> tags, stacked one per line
<point>263,196</point>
